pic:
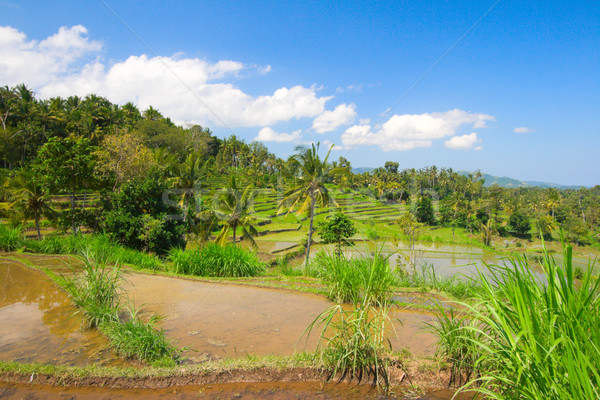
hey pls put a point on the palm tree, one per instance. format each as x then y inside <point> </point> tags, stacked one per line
<point>310,188</point>
<point>31,198</point>
<point>188,179</point>
<point>232,209</point>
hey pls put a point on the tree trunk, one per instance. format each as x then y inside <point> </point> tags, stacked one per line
<point>37,226</point>
<point>234,230</point>
<point>73,214</point>
<point>310,226</point>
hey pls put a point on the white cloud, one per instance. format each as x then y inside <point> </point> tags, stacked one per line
<point>344,114</point>
<point>267,134</point>
<point>37,63</point>
<point>409,131</point>
<point>464,142</point>
<point>349,88</point>
<point>523,129</point>
<point>264,70</point>
<point>186,89</point>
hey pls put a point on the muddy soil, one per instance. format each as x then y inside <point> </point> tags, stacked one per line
<point>218,320</point>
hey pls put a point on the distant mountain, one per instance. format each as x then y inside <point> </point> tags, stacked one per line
<point>507,182</point>
<point>362,170</point>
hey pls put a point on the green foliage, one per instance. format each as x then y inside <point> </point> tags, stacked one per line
<point>216,261</point>
<point>31,198</point>
<point>424,211</point>
<point>97,244</point>
<point>337,228</point>
<point>355,343</point>
<point>352,280</point>
<point>137,217</point>
<point>518,224</point>
<point>232,208</point>
<point>424,276</point>
<point>536,338</point>
<point>140,340</point>
<point>456,335</point>
<point>95,288</point>
<point>10,238</point>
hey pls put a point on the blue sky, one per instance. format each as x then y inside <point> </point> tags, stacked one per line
<point>508,87</point>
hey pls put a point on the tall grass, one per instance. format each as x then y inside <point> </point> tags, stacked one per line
<point>10,238</point>
<point>352,341</point>
<point>95,288</point>
<point>216,261</point>
<point>350,279</point>
<point>538,336</point>
<point>99,245</point>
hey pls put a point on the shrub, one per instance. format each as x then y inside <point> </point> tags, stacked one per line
<point>217,261</point>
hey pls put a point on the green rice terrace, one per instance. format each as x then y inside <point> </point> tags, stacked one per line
<point>149,259</point>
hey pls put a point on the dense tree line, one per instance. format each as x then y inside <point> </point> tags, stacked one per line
<point>115,163</point>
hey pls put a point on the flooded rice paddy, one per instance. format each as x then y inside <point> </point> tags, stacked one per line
<point>39,324</point>
<point>214,320</point>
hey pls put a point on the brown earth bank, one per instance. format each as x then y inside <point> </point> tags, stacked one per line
<point>416,380</point>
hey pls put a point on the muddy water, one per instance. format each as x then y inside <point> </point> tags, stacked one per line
<point>269,390</point>
<point>218,320</point>
<point>37,322</point>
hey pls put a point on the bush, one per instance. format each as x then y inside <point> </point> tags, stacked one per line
<point>137,217</point>
<point>518,224</point>
<point>217,261</point>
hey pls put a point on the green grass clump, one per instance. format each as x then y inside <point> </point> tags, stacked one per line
<point>95,289</point>
<point>10,238</point>
<point>538,336</point>
<point>350,279</point>
<point>140,340</point>
<point>217,261</point>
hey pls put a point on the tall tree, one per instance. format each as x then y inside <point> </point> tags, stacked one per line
<point>67,165</point>
<point>232,208</point>
<point>310,188</point>
<point>30,198</point>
